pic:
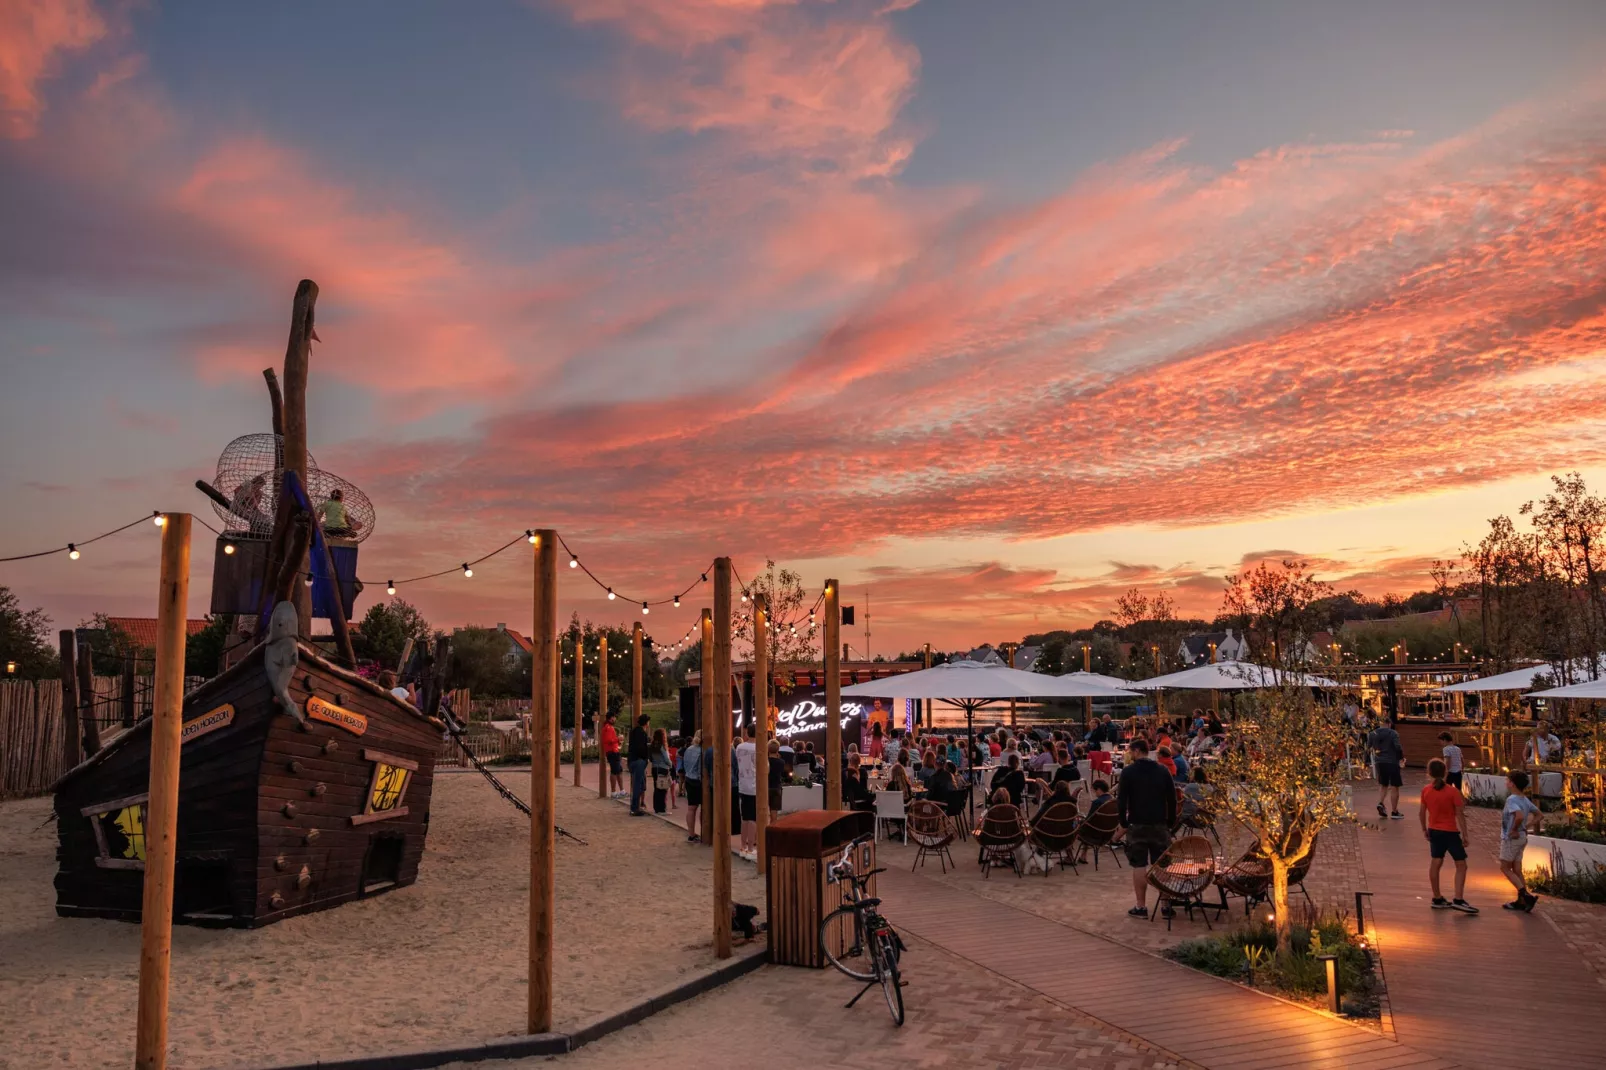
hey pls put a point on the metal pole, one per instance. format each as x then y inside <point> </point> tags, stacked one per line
<point>833,697</point>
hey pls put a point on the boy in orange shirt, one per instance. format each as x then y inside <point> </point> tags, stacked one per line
<point>1444,823</point>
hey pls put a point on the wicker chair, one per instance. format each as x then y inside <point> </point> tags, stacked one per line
<point>1202,819</point>
<point>1054,834</point>
<point>928,827</point>
<point>1096,832</point>
<point>1003,828</point>
<point>1184,873</point>
<point>1249,877</point>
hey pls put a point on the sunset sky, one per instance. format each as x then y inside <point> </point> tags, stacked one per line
<point>991,309</point>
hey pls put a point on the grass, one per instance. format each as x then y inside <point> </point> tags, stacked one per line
<point>1248,954</point>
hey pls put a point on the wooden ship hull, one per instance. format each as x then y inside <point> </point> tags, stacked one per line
<point>276,817</point>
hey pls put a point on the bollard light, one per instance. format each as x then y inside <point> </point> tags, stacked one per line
<point>1331,962</point>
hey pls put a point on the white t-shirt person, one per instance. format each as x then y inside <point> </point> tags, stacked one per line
<point>746,774</point>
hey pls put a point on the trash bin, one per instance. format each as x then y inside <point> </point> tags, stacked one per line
<point>798,847</point>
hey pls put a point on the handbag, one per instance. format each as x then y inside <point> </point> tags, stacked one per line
<point>660,780</point>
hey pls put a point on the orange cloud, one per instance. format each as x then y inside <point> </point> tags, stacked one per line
<point>35,35</point>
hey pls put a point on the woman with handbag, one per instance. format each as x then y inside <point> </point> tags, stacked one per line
<point>658,759</point>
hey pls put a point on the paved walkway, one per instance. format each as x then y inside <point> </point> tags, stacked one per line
<point>1498,990</point>
<point>1203,1019</point>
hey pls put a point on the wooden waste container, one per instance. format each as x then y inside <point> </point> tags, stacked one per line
<point>798,848</point>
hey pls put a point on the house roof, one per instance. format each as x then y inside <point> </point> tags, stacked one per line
<point>142,630</point>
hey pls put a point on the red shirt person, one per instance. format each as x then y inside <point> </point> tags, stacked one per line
<point>610,754</point>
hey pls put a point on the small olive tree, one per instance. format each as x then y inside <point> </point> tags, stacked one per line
<point>1279,777</point>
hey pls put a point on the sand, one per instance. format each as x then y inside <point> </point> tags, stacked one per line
<point>440,962</point>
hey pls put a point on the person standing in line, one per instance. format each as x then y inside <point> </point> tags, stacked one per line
<point>777,767</point>
<point>1146,801</point>
<point>1517,819</point>
<point>1388,757</point>
<point>1444,824</point>
<point>691,764</point>
<point>639,755</point>
<point>747,788</point>
<point>1452,760</point>
<point>613,765</point>
<point>658,758</point>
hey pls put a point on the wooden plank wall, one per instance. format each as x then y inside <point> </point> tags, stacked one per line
<point>31,728</point>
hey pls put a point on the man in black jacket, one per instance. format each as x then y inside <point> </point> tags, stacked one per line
<point>1147,801</point>
<point>638,755</point>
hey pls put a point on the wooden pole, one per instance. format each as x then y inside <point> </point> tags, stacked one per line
<point>636,640</point>
<point>833,697</point>
<point>705,716</point>
<point>1087,702</point>
<point>127,694</point>
<point>579,694</point>
<point>161,808</point>
<point>72,748</point>
<point>927,702</point>
<point>602,681</point>
<point>543,788</point>
<point>722,757</point>
<point>297,354</point>
<point>761,720</point>
<point>86,702</point>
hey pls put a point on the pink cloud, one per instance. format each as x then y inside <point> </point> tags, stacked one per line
<point>35,38</point>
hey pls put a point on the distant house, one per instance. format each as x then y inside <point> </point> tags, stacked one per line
<point>135,634</point>
<point>1026,657</point>
<point>985,655</point>
<point>518,644</point>
<point>1195,649</point>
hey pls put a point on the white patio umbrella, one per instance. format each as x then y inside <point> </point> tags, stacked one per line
<point>972,685</point>
<point>1587,689</point>
<point>1515,680</point>
<point>1230,676</point>
<point>1098,678</point>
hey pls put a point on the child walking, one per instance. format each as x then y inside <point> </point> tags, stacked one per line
<point>1516,820</point>
<point>1444,823</point>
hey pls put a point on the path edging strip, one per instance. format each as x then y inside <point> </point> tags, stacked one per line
<point>546,1043</point>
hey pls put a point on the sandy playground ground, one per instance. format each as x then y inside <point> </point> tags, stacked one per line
<point>440,962</point>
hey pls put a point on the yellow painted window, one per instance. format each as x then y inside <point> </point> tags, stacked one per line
<point>389,784</point>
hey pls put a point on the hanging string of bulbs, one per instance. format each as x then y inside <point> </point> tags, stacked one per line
<point>72,548</point>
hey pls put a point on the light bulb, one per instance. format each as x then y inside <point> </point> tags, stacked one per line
<point>530,534</point>
<point>677,601</point>
<point>574,562</point>
<point>390,587</point>
<point>644,609</point>
<point>611,595</point>
<point>158,519</point>
<point>467,572</point>
<point>744,598</point>
<point>308,580</point>
<point>228,548</point>
<point>705,577</point>
<point>72,551</point>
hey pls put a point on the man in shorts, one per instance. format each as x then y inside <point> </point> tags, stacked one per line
<point>1146,800</point>
<point>1444,823</point>
<point>614,765</point>
<point>1387,758</point>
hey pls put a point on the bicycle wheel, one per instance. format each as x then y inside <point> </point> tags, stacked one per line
<point>842,941</point>
<point>891,986</point>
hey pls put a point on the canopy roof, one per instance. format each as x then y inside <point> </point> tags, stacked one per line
<point>970,681</point>
<point>1230,676</point>
<point>1587,689</point>
<point>1515,680</point>
<point>1098,678</point>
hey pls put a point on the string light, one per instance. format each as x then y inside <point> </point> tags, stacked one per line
<point>677,601</point>
<point>468,573</point>
<point>228,548</point>
<point>529,533</point>
<point>744,598</point>
<point>158,519</point>
<point>574,562</point>
<point>644,609</point>
<point>705,577</point>
<point>72,551</point>
<point>390,586</point>
<point>308,579</point>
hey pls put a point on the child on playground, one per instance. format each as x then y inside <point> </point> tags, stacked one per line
<point>1452,760</point>
<point>1516,819</point>
<point>1444,824</point>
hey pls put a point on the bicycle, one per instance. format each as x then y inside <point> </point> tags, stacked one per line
<point>873,939</point>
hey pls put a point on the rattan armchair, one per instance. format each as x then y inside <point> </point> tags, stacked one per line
<point>1097,831</point>
<point>929,829</point>
<point>1003,828</point>
<point>1184,873</point>
<point>1249,877</point>
<point>1054,834</point>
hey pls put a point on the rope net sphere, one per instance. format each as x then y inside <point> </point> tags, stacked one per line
<point>249,475</point>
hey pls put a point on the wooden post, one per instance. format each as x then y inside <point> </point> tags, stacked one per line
<point>705,716</point>
<point>602,685</point>
<point>1087,702</point>
<point>761,720</point>
<point>722,714</point>
<point>161,808</point>
<point>72,750</point>
<point>833,697</point>
<point>297,353</point>
<point>543,788</point>
<point>926,702</point>
<point>87,721</point>
<point>579,694</point>
<point>636,639</point>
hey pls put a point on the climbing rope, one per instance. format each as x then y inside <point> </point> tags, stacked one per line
<point>456,732</point>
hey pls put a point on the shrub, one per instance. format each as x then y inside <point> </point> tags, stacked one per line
<point>1583,885</point>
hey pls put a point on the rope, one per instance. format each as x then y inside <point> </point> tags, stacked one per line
<point>455,732</point>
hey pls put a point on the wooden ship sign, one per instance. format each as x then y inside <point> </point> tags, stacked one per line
<point>280,811</point>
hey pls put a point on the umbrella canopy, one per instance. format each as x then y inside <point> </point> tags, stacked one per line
<point>1098,678</point>
<point>1230,676</point>
<point>1515,680</point>
<point>969,682</point>
<point>1587,689</point>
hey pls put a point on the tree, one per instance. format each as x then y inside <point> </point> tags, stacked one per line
<point>793,640</point>
<point>387,626</point>
<point>106,641</point>
<point>481,661</point>
<point>1278,776</point>
<point>1278,608</point>
<point>25,639</point>
<point>203,651</point>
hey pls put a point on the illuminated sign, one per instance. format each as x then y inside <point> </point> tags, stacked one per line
<point>328,712</point>
<point>210,721</point>
<point>806,717</point>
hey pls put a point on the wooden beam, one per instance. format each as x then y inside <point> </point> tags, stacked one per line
<point>543,788</point>
<point>579,685</point>
<point>276,405</point>
<point>833,696</point>
<point>337,623</point>
<point>297,355</point>
<point>635,672</point>
<point>72,747</point>
<point>602,703</point>
<point>161,809</point>
<point>761,720</point>
<point>705,722</point>
<point>722,715</point>
<point>87,721</point>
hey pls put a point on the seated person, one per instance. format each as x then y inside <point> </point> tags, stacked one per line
<point>856,793</point>
<point>898,779</point>
<point>928,768</point>
<point>1182,767</point>
<point>1163,756</point>
<point>1011,779</point>
<point>1101,795</point>
<point>336,524</point>
<point>1194,792</point>
<point>944,788</point>
<point>1060,794</point>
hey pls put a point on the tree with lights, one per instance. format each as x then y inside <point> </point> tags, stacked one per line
<point>793,638</point>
